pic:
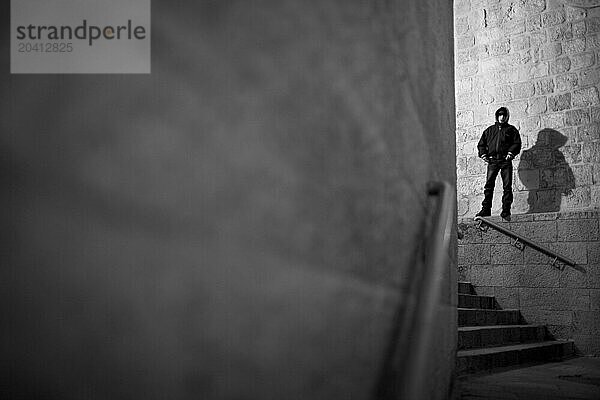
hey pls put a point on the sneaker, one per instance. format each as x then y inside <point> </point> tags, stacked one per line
<point>505,215</point>
<point>484,213</point>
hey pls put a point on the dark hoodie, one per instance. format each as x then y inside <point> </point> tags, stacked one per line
<point>500,139</point>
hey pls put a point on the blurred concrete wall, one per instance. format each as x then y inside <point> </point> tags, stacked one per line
<point>240,224</point>
<point>540,58</point>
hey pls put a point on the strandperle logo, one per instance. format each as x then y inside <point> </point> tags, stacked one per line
<point>80,36</point>
<point>85,31</point>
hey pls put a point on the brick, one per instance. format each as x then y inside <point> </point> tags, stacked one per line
<point>529,124</point>
<point>539,231</point>
<point>589,77</point>
<point>579,197</point>
<point>557,299</point>
<point>474,254</point>
<point>499,47</point>
<point>577,117</point>
<point>595,114</point>
<point>507,298</point>
<point>557,177</point>
<point>486,98</point>
<point>551,216</point>
<point>582,60</point>
<point>475,166</point>
<point>462,6</point>
<point>550,51</point>
<point>538,70</point>
<point>471,233</point>
<point>582,174</point>
<point>560,65</point>
<point>587,345</point>
<point>538,38</point>
<point>492,236</point>
<point>578,214</point>
<point>578,28</point>
<point>539,273</point>
<point>576,251</point>
<point>559,102</point>
<point>536,105</point>
<point>544,86</point>
<point>533,23</point>
<point>536,315</point>
<point>560,32</point>
<point>572,153</point>
<point>519,43</point>
<point>593,25</point>
<point>553,121</point>
<point>591,152</point>
<point>463,206</point>
<point>522,90</point>
<point>575,13</point>
<point>503,93</point>
<point>586,322</point>
<point>467,70</point>
<point>578,230</point>
<point>535,6</point>
<point>566,82</point>
<point>465,101</point>
<point>553,17</point>
<point>520,202</point>
<point>593,41</point>
<point>528,179</point>
<point>487,275</point>
<point>463,57</point>
<point>586,97</point>
<point>518,109</point>
<point>588,133</point>
<point>461,25</point>
<point>464,118</point>
<point>514,27</point>
<point>464,85</point>
<point>463,273</point>
<point>559,331</point>
<point>464,42</point>
<point>506,254</point>
<point>574,46</point>
<point>593,256</point>
<point>595,300</point>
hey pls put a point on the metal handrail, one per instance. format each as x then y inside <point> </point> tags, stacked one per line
<point>428,294</point>
<point>525,241</point>
<point>404,371</point>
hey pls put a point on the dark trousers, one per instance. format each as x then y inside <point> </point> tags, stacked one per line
<point>506,172</point>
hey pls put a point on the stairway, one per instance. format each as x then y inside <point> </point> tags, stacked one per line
<point>490,338</point>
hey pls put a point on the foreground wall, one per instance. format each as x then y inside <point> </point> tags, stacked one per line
<point>568,301</point>
<point>241,223</point>
<point>541,59</point>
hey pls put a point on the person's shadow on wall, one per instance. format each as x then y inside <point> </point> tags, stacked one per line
<point>545,172</point>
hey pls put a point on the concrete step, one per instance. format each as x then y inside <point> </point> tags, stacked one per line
<point>465,288</point>
<point>486,359</point>
<point>472,337</point>
<point>484,317</point>
<point>474,301</point>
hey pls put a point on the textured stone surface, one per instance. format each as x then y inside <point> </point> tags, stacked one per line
<point>565,299</point>
<point>240,223</point>
<point>543,65</point>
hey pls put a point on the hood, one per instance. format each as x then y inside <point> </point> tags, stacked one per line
<point>505,110</point>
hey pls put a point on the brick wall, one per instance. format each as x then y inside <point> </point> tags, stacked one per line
<point>567,301</point>
<point>540,58</point>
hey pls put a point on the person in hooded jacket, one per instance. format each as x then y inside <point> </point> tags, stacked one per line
<point>498,146</point>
